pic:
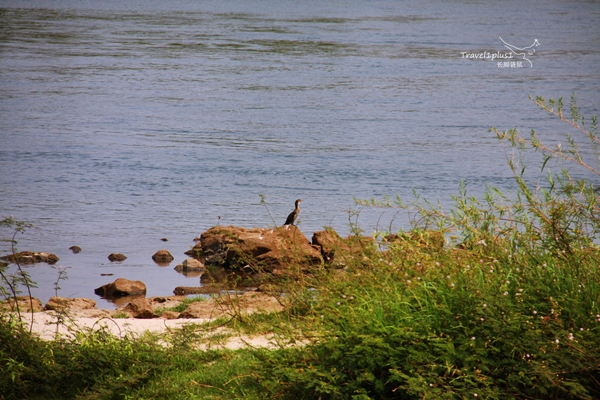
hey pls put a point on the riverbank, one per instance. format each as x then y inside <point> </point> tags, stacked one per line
<point>70,321</point>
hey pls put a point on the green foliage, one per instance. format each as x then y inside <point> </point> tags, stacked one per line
<point>92,363</point>
<point>449,324</point>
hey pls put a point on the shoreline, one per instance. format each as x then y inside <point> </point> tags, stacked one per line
<point>69,321</point>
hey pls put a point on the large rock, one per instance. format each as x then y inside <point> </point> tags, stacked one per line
<point>28,257</point>
<point>121,287</point>
<point>162,257</point>
<point>141,308</point>
<point>25,304</point>
<point>63,303</point>
<point>190,264</point>
<point>257,248</point>
<point>117,257</point>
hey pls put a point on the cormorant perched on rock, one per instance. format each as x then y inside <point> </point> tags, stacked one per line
<point>294,214</point>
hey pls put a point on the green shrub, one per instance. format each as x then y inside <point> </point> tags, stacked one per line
<point>508,308</point>
<point>92,363</point>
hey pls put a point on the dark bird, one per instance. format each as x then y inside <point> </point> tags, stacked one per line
<point>294,214</point>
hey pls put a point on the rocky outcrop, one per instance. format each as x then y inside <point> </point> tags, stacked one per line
<point>81,307</point>
<point>140,308</point>
<point>162,257</point>
<point>63,303</point>
<point>117,257</point>
<point>28,257</point>
<point>121,287</point>
<point>258,249</point>
<point>190,264</point>
<point>25,304</point>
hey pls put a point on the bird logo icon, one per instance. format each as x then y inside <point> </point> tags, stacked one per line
<point>524,51</point>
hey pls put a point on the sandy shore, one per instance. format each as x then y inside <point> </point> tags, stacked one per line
<point>49,324</point>
<point>45,325</point>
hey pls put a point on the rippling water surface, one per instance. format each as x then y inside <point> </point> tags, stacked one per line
<point>125,122</point>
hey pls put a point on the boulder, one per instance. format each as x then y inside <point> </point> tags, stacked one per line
<point>121,287</point>
<point>140,308</point>
<point>257,248</point>
<point>190,264</point>
<point>25,303</point>
<point>63,303</point>
<point>117,257</point>
<point>28,257</point>
<point>162,257</point>
<point>75,249</point>
<point>76,307</point>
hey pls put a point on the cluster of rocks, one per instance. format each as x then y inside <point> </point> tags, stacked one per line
<point>83,307</point>
<point>277,249</point>
<point>273,252</point>
<point>147,308</point>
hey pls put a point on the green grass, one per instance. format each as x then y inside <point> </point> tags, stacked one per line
<point>450,324</point>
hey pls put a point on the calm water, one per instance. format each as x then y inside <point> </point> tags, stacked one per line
<point>125,122</point>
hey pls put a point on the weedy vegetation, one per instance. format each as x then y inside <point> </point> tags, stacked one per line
<point>498,298</point>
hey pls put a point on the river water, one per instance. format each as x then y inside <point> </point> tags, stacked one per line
<point>123,122</point>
